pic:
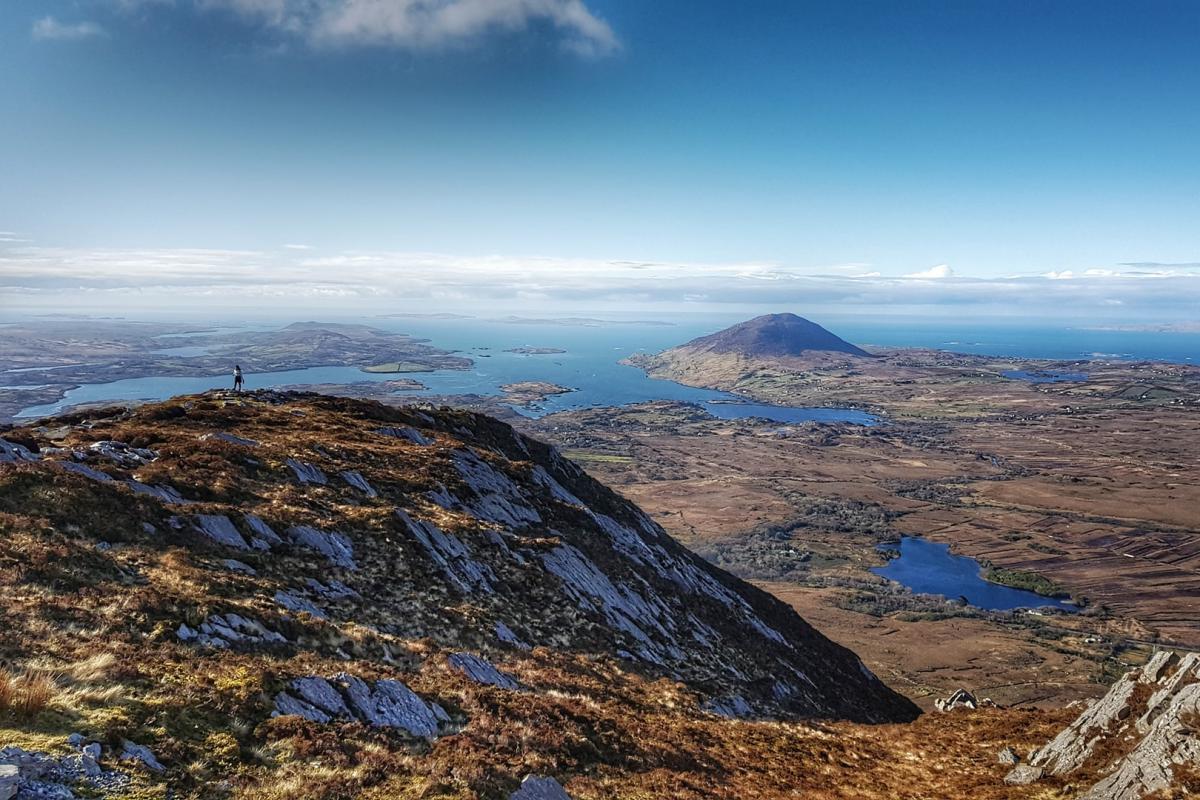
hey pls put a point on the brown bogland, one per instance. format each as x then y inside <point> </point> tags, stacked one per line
<point>1089,487</point>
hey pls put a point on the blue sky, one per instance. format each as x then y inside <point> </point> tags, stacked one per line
<point>597,151</point>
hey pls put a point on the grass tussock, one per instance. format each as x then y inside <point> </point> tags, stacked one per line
<point>26,694</point>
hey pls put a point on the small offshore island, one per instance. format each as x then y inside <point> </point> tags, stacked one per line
<point>535,351</point>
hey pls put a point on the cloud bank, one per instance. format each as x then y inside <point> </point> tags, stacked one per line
<point>422,24</point>
<point>287,278</point>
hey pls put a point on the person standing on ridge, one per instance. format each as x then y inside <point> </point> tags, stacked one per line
<point>237,377</point>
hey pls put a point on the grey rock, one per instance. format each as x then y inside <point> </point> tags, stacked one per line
<point>166,494</point>
<point>506,635</point>
<point>1008,756</point>
<point>10,775</point>
<point>961,698</point>
<point>11,453</point>
<point>233,565</point>
<point>318,692</point>
<point>286,704</point>
<point>1169,742</point>
<point>390,705</point>
<point>220,529</point>
<point>539,788</point>
<point>224,630</point>
<point>262,530</point>
<point>355,479</point>
<point>141,753</point>
<point>334,546</point>
<point>1023,774</point>
<point>299,604</point>
<point>482,671</point>
<point>307,473</point>
<point>498,499</point>
<point>123,454</point>
<point>734,707</point>
<point>386,704</point>
<point>450,554</point>
<point>405,432</point>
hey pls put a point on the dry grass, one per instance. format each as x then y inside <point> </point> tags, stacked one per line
<point>27,694</point>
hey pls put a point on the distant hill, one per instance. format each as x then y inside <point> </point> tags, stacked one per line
<point>774,335</point>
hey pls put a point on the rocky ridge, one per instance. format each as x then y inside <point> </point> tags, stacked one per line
<point>285,561</point>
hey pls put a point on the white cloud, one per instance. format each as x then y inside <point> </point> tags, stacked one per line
<point>50,29</point>
<point>933,273</point>
<point>298,247</point>
<point>424,24</point>
<point>381,280</point>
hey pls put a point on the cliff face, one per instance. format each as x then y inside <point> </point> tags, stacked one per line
<point>334,554</point>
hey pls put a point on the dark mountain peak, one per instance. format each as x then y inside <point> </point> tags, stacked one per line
<point>775,335</point>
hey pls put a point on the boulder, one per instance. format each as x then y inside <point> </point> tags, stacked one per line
<point>384,704</point>
<point>1023,774</point>
<point>132,751</point>
<point>539,788</point>
<point>10,777</point>
<point>1008,756</point>
<point>307,473</point>
<point>221,530</point>
<point>960,699</point>
<point>481,671</point>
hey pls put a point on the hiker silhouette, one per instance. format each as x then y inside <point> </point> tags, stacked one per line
<point>238,380</point>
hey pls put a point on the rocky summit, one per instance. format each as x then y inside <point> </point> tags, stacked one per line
<point>274,590</point>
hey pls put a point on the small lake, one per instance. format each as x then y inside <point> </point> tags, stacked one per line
<point>1045,376</point>
<point>928,567</point>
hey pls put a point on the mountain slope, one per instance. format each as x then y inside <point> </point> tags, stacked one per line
<point>266,566</point>
<point>773,335</point>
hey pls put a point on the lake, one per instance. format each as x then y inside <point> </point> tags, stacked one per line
<point>1044,376</point>
<point>928,567</point>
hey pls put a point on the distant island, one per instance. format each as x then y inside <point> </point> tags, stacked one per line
<point>535,351</point>
<point>530,393</point>
<point>773,335</point>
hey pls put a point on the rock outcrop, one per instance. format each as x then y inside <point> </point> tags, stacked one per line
<point>1130,743</point>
